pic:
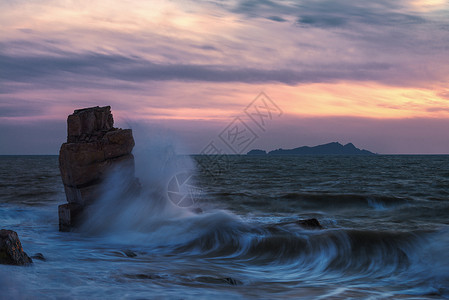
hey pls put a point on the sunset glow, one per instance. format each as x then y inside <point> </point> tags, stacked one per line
<point>195,61</point>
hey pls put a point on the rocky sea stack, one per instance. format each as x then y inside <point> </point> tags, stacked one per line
<point>94,147</point>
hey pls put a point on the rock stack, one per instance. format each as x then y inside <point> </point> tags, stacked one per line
<point>94,147</point>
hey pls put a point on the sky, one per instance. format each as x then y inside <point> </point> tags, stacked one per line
<point>278,74</point>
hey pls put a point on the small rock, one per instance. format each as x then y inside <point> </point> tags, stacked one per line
<point>129,253</point>
<point>309,224</point>
<point>143,276</point>
<point>11,251</point>
<point>219,280</point>
<point>196,210</point>
<point>232,281</point>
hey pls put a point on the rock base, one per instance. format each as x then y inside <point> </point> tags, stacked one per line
<point>69,216</point>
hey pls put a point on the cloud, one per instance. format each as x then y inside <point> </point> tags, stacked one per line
<point>444,94</point>
<point>370,41</point>
<point>327,13</point>
<point>322,21</point>
<point>10,108</point>
<point>276,19</point>
<point>207,47</point>
<point>333,12</point>
<point>39,69</point>
<point>438,109</point>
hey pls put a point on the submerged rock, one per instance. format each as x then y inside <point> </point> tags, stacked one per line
<point>143,276</point>
<point>129,253</point>
<point>307,224</point>
<point>197,210</point>
<point>218,280</point>
<point>94,147</point>
<point>39,256</point>
<point>69,216</point>
<point>11,251</point>
<point>232,281</point>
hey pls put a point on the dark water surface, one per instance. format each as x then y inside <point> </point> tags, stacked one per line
<point>385,235</point>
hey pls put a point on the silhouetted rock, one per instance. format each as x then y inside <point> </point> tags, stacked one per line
<point>334,148</point>
<point>11,251</point>
<point>94,147</point>
<point>89,124</point>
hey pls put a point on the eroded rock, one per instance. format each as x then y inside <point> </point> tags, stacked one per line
<point>11,251</point>
<point>94,147</point>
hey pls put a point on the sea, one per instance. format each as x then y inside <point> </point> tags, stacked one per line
<point>223,227</point>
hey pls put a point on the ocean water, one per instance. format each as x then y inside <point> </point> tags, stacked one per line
<point>385,235</point>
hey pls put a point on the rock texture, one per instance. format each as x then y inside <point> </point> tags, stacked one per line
<point>94,147</point>
<point>11,251</point>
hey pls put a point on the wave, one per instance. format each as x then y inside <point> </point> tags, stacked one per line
<point>149,219</point>
<point>345,201</point>
<point>417,259</point>
<point>343,250</point>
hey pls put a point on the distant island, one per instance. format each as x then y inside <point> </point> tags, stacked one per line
<point>334,148</point>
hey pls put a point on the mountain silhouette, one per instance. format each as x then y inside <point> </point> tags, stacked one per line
<point>334,148</point>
